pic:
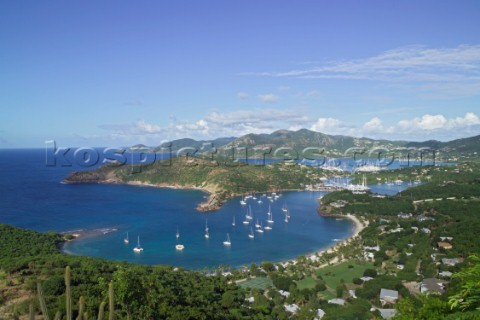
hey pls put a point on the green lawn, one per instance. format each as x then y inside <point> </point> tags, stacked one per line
<point>332,275</point>
<point>257,283</point>
<point>307,283</point>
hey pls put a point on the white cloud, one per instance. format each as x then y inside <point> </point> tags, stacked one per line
<point>419,128</point>
<point>332,126</point>
<point>447,70</point>
<point>373,125</point>
<point>426,122</point>
<point>268,98</point>
<point>221,124</point>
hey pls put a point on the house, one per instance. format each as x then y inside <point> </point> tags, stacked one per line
<point>400,266</point>
<point>445,274</point>
<point>446,238</point>
<point>396,230</point>
<point>250,299</point>
<point>365,279</point>
<point>387,313</point>
<point>352,294</point>
<point>422,218</point>
<point>414,229</point>
<point>338,301</point>
<point>320,314</point>
<point>444,245</point>
<point>403,215</point>
<point>451,262</point>
<point>376,248</point>
<point>432,286</point>
<point>388,296</point>
<point>426,230</point>
<point>286,294</point>
<point>292,308</point>
<point>369,255</point>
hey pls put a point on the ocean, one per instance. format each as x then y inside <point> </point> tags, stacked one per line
<point>33,197</point>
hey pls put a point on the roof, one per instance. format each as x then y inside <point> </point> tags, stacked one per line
<point>337,301</point>
<point>387,313</point>
<point>388,294</point>
<point>320,314</point>
<point>444,245</point>
<point>432,285</point>
<point>445,274</point>
<point>293,308</point>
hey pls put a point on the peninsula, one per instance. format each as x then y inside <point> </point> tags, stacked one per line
<point>222,180</point>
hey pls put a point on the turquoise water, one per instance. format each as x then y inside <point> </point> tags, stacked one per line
<point>32,197</point>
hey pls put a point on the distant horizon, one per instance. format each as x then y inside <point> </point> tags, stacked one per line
<point>231,137</point>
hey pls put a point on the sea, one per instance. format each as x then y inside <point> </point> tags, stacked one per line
<point>32,196</point>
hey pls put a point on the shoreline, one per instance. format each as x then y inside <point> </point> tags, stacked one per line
<point>357,228</point>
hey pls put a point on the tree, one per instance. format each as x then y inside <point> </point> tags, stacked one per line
<point>468,297</point>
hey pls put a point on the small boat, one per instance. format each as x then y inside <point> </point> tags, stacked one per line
<point>246,222</point>
<point>138,248</point>
<point>233,223</point>
<point>206,230</point>
<point>249,215</point>
<point>125,240</point>
<point>227,242</point>
<point>267,227</point>
<point>259,201</point>
<point>243,202</point>
<point>269,213</point>
<point>179,247</point>
<point>260,229</point>
<point>251,235</point>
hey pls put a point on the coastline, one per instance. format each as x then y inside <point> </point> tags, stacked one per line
<point>357,228</point>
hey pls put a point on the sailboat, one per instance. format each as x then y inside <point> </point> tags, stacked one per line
<point>269,213</point>
<point>251,235</point>
<point>257,225</point>
<point>206,230</point>
<point>243,202</point>
<point>178,234</point>
<point>125,240</point>
<point>287,216</point>
<point>138,248</point>
<point>267,227</point>
<point>284,208</point>
<point>249,215</point>
<point>227,242</point>
<point>260,229</point>
<point>233,223</point>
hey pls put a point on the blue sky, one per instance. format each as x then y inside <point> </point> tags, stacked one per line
<point>117,73</point>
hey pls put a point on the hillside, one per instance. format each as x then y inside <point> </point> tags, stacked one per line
<point>333,145</point>
<point>223,179</point>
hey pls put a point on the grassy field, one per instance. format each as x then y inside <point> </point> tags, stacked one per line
<point>332,275</point>
<point>307,283</point>
<point>257,283</point>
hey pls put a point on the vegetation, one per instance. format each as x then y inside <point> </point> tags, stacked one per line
<point>394,250</point>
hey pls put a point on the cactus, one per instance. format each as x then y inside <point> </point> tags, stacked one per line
<point>101,311</point>
<point>68,293</point>
<point>31,312</point>
<point>81,308</point>
<point>111,306</point>
<point>41,300</point>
